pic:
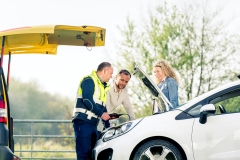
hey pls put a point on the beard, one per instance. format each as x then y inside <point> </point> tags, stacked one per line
<point>120,86</point>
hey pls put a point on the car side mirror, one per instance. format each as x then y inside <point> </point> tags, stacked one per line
<point>205,111</point>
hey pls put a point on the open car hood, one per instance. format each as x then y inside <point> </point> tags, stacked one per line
<point>45,39</point>
<point>162,101</point>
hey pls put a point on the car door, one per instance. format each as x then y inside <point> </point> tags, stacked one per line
<point>219,137</point>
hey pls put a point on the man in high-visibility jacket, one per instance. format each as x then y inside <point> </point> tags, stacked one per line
<point>90,106</point>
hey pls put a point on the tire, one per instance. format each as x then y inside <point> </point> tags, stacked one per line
<point>157,149</point>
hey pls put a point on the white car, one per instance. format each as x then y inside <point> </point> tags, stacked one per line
<point>205,128</point>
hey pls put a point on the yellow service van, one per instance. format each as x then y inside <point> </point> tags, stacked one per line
<point>36,40</point>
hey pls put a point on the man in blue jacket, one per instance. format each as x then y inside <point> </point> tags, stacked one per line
<point>90,106</point>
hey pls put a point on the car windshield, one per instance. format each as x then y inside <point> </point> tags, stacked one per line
<point>163,103</point>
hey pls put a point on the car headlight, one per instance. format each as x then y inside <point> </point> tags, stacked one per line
<point>117,131</point>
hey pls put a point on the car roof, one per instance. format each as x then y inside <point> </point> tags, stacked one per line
<point>209,93</point>
<point>46,38</point>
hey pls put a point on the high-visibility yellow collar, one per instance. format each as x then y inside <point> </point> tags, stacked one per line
<point>94,73</point>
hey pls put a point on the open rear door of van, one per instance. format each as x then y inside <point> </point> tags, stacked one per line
<point>45,39</point>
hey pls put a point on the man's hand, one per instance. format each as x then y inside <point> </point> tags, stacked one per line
<point>105,116</point>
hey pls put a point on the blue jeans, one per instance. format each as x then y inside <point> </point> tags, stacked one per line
<point>85,137</point>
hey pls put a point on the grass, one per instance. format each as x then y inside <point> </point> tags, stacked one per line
<point>45,146</point>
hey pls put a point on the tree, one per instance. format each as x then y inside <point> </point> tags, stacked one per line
<point>67,129</point>
<point>192,38</point>
<point>28,101</point>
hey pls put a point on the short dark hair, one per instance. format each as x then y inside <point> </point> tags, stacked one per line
<point>124,71</point>
<point>103,65</point>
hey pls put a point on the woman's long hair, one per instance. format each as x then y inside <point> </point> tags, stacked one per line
<point>166,68</point>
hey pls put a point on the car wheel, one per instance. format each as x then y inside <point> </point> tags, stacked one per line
<point>157,149</point>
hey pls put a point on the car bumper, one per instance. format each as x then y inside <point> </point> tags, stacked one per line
<point>114,149</point>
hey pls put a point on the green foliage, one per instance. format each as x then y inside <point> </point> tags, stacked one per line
<point>66,128</point>
<point>231,105</point>
<point>192,38</point>
<point>27,101</point>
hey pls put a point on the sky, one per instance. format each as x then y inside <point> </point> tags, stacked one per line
<point>61,73</point>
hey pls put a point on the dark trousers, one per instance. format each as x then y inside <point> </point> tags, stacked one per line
<point>85,137</point>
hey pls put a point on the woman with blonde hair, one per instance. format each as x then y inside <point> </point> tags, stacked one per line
<point>166,80</point>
